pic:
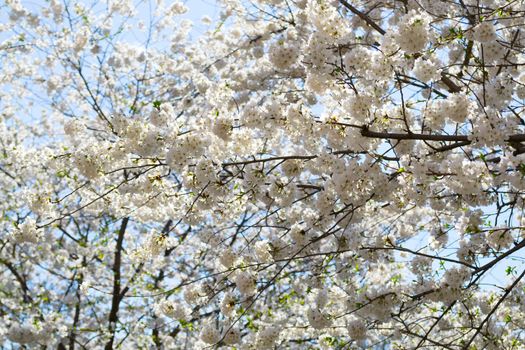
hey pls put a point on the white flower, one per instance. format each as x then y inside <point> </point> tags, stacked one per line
<point>222,127</point>
<point>245,282</point>
<point>317,319</point>
<point>427,70</point>
<point>192,295</point>
<point>73,127</point>
<point>22,334</point>
<point>455,277</point>
<point>356,329</point>
<point>210,334</point>
<point>227,258</point>
<point>27,232</point>
<point>267,337</point>
<point>485,32</point>
<point>228,305</point>
<point>172,309</point>
<point>232,335</point>
<point>283,54</point>
<point>177,8</point>
<point>413,32</point>
<point>262,251</point>
<point>299,235</point>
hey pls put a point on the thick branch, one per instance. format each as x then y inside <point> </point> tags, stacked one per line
<point>501,257</point>
<point>113,314</point>
<point>76,317</point>
<point>364,17</point>
<point>19,278</point>
<point>431,137</point>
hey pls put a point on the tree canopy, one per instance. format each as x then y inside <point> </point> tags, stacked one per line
<point>300,174</point>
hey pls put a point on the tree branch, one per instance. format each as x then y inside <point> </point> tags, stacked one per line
<point>113,314</point>
<point>364,17</point>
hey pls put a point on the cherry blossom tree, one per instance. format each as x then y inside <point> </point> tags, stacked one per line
<point>304,174</point>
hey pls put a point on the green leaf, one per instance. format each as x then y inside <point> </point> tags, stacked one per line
<point>186,325</point>
<point>62,173</point>
<point>510,270</point>
<point>396,278</point>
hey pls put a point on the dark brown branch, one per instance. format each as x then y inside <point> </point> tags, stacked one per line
<point>19,278</point>
<point>452,87</point>
<point>401,249</point>
<point>364,17</point>
<point>113,314</point>
<point>76,317</point>
<point>244,162</point>
<point>501,257</point>
<point>431,137</point>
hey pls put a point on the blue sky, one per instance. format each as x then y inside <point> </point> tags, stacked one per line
<point>199,9</point>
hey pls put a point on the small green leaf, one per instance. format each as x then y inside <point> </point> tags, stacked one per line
<point>510,270</point>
